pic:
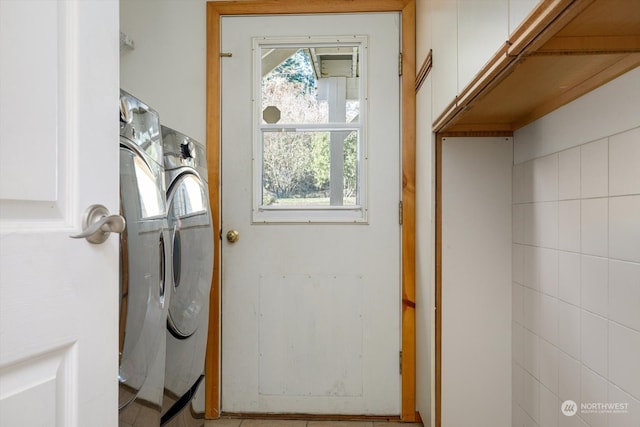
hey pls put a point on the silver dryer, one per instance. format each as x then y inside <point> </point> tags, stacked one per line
<point>191,228</point>
<point>144,263</point>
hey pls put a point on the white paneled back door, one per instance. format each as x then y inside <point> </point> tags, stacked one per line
<point>310,225</point>
<point>58,155</point>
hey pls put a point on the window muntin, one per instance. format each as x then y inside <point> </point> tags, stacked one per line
<point>310,130</point>
<point>296,168</point>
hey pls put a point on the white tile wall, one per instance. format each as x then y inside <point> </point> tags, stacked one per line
<point>517,416</point>
<point>517,303</point>
<point>517,224</point>
<point>549,356</point>
<point>517,344</point>
<point>569,174</point>
<point>594,284</point>
<point>528,224</point>
<point>624,163</point>
<point>569,225</point>
<point>548,271</point>
<point>529,422</point>
<point>630,412</point>
<point>517,263</point>
<point>531,353</point>
<point>531,270</point>
<point>594,169</point>
<point>594,225</point>
<point>594,333</point>
<point>531,312</point>
<point>531,397</point>
<point>549,318</point>
<point>549,404</point>
<point>569,277</point>
<point>593,389</point>
<point>624,227</point>
<point>545,224</point>
<point>624,293</point>
<point>569,329</point>
<point>576,292</point>
<point>545,179</point>
<point>517,383</point>
<point>568,377</point>
<point>571,422</point>
<point>624,357</point>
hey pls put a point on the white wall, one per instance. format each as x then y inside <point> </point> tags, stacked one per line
<point>518,11</point>
<point>425,259</point>
<point>476,282</point>
<point>576,259</point>
<point>483,27</point>
<point>444,34</point>
<point>167,68</point>
<point>465,34</point>
<point>423,30</point>
<point>425,232</point>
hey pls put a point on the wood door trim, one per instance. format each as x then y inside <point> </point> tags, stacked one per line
<point>424,71</point>
<point>310,417</point>
<point>438,284</point>
<point>217,9</point>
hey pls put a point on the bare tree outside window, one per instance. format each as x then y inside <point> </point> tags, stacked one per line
<point>296,162</point>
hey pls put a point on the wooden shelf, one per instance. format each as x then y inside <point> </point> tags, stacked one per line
<point>564,49</point>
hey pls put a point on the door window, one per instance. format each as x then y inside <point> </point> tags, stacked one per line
<point>309,118</point>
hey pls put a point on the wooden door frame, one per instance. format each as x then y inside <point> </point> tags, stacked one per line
<point>217,9</point>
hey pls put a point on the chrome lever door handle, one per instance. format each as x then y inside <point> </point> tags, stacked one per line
<point>97,224</point>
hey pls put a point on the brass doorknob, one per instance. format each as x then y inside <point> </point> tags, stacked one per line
<point>233,236</point>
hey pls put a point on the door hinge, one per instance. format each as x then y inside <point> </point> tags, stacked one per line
<point>400,64</point>
<point>400,362</point>
<point>400,212</point>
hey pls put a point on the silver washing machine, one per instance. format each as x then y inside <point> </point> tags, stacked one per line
<point>191,230</point>
<point>144,248</point>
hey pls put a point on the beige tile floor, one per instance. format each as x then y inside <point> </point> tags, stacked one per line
<point>235,422</point>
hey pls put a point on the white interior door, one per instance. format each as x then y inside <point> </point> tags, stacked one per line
<point>58,155</point>
<point>311,289</point>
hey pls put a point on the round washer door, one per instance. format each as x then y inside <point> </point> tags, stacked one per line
<point>142,270</point>
<point>191,229</point>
